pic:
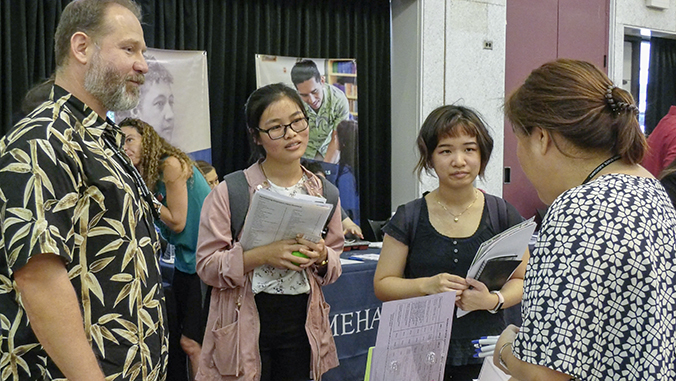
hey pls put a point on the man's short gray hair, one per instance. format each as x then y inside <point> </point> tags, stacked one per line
<point>87,16</point>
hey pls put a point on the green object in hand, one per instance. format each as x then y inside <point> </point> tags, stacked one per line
<point>298,254</point>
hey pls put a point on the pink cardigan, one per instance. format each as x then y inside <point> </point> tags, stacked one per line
<point>230,347</point>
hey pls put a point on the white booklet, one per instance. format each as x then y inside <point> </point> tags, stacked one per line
<point>490,372</point>
<point>273,217</point>
<point>502,252</point>
<point>413,338</point>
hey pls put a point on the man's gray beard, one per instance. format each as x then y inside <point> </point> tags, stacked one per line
<point>109,87</point>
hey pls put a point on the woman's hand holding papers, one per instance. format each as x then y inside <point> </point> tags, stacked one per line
<point>316,252</point>
<point>445,282</point>
<point>278,254</point>
<point>476,297</point>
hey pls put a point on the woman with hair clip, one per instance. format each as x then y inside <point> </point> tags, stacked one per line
<point>429,243</point>
<point>599,297</point>
<point>268,319</point>
<point>179,189</point>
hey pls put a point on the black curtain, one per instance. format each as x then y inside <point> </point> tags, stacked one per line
<point>661,81</point>
<point>232,32</point>
<point>26,50</point>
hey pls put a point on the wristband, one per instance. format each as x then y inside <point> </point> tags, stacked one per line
<point>502,362</point>
<point>501,301</point>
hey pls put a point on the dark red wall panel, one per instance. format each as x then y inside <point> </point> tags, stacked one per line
<point>539,31</point>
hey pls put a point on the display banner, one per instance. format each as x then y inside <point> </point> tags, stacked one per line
<point>328,88</point>
<point>175,100</point>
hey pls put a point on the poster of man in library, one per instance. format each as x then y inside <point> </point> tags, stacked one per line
<point>326,105</point>
<point>328,88</point>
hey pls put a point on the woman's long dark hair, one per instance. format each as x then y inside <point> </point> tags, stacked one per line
<point>348,144</point>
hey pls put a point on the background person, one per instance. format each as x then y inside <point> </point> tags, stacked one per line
<point>433,252</point>
<point>344,150</point>
<point>325,106</point>
<point>35,96</point>
<point>180,187</point>
<point>668,180</point>
<point>661,144</point>
<point>209,172</point>
<point>73,208</point>
<point>246,335</point>
<point>349,227</point>
<point>156,102</point>
<point>599,291</point>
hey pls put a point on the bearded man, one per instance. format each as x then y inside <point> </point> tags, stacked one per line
<point>80,286</point>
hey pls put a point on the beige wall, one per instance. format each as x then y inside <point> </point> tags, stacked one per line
<point>438,58</point>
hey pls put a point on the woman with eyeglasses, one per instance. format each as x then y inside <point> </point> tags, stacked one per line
<point>268,319</point>
<point>179,190</point>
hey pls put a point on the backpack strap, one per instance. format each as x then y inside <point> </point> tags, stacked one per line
<point>238,194</point>
<point>331,195</point>
<point>412,213</point>
<point>497,213</point>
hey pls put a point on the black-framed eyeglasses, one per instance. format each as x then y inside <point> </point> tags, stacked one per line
<point>278,132</point>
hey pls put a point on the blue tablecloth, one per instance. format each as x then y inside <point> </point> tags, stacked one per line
<point>355,314</point>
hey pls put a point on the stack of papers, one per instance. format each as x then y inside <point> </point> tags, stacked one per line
<point>413,338</point>
<point>367,256</point>
<point>273,217</point>
<point>498,257</point>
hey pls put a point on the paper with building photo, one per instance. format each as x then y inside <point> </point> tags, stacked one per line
<point>273,217</point>
<point>413,338</point>
<point>511,243</point>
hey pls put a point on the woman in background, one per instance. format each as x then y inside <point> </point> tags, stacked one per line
<point>209,172</point>
<point>668,180</point>
<point>433,253</point>
<point>344,151</point>
<point>350,229</point>
<point>268,319</point>
<point>180,189</point>
<point>599,293</point>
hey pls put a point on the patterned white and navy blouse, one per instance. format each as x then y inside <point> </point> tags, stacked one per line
<point>599,297</point>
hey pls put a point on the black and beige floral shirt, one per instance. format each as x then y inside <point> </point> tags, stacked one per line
<point>64,190</point>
